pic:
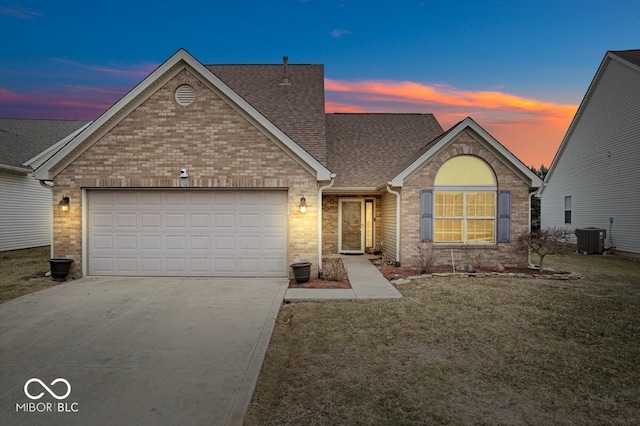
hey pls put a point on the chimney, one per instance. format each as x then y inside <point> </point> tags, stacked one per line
<point>285,79</point>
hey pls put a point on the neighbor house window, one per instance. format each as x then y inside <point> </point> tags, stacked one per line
<point>567,209</point>
<point>464,202</point>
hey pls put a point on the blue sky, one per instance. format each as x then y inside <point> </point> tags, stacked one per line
<point>69,59</point>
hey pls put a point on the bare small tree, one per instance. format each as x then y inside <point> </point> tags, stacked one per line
<point>545,241</point>
<point>425,257</point>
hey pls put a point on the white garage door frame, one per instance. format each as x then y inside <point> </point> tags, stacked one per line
<point>86,226</point>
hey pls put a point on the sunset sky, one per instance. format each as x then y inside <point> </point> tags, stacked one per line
<point>518,68</point>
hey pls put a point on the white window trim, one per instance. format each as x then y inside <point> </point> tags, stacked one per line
<point>464,190</point>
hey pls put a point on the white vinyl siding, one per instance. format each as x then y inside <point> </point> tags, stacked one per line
<point>600,163</point>
<point>25,212</point>
<point>188,233</point>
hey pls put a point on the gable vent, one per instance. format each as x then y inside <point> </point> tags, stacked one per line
<point>185,95</point>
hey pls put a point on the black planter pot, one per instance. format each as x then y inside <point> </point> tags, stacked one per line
<point>301,271</point>
<point>60,268</point>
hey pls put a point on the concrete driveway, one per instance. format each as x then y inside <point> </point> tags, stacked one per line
<point>136,351</point>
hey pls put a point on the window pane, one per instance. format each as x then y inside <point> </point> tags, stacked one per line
<point>448,230</point>
<point>449,204</point>
<point>480,230</point>
<point>481,204</point>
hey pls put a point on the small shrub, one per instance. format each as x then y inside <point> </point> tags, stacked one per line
<point>545,241</point>
<point>476,261</point>
<point>425,257</point>
<point>333,269</point>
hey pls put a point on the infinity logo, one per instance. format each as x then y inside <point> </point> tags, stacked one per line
<point>52,393</point>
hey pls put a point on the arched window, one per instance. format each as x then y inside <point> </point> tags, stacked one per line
<point>464,202</point>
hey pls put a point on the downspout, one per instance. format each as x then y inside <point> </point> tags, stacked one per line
<point>319,224</point>
<point>50,187</point>
<point>397,194</point>
<point>529,227</point>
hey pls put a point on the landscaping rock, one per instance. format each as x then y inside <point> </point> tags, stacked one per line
<point>464,267</point>
<point>498,267</point>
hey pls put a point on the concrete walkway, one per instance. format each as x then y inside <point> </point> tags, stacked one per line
<point>366,283</point>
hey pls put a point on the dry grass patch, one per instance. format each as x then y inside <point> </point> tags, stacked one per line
<point>463,351</point>
<point>19,268</point>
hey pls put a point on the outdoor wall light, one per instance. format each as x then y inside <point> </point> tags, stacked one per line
<point>63,205</point>
<point>303,205</point>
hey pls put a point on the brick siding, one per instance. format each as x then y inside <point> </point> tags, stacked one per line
<point>149,145</point>
<point>507,179</point>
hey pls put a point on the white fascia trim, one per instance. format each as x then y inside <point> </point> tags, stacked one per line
<point>44,172</point>
<point>535,181</point>
<point>352,190</point>
<point>56,146</point>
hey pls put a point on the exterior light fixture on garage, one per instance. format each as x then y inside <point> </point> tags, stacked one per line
<point>303,205</point>
<point>63,205</point>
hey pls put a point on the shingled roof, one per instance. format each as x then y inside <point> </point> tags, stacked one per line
<point>296,108</point>
<point>632,56</point>
<point>21,139</point>
<point>367,150</point>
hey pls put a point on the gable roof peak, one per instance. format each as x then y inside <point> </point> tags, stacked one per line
<point>632,56</point>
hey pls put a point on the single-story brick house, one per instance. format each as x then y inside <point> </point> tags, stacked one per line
<point>236,170</point>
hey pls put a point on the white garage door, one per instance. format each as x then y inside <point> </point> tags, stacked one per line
<point>187,233</point>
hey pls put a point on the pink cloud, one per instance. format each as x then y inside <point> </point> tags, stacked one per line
<point>81,105</point>
<point>531,129</point>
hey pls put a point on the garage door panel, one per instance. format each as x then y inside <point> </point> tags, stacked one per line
<point>200,242</point>
<point>176,264</point>
<point>225,220</point>
<point>275,243</point>
<point>182,232</point>
<point>104,242</point>
<point>151,264</point>
<point>151,199</point>
<point>126,198</point>
<point>102,220</point>
<point>151,220</point>
<point>199,220</point>
<point>102,265</point>
<point>176,242</point>
<point>151,242</point>
<point>127,242</point>
<point>127,264</point>
<point>126,220</point>
<point>274,265</point>
<point>175,220</point>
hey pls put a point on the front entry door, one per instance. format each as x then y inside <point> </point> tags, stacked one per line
<point>351,225</point>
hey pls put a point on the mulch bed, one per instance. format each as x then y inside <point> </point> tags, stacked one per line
<point>318,283</point>
<point>332,267</point>
<point>392,272</point>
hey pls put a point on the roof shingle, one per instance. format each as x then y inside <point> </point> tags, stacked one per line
<point>632,56</point>
<point>367,150</point>
<point>297,108</point>
<point>23,138</point>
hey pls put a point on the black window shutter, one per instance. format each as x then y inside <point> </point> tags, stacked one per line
<point>426,215</point>
<point>504,216</point>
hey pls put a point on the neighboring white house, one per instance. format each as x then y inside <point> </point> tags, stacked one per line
<point>25,205</point>
<point>594,179</point>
